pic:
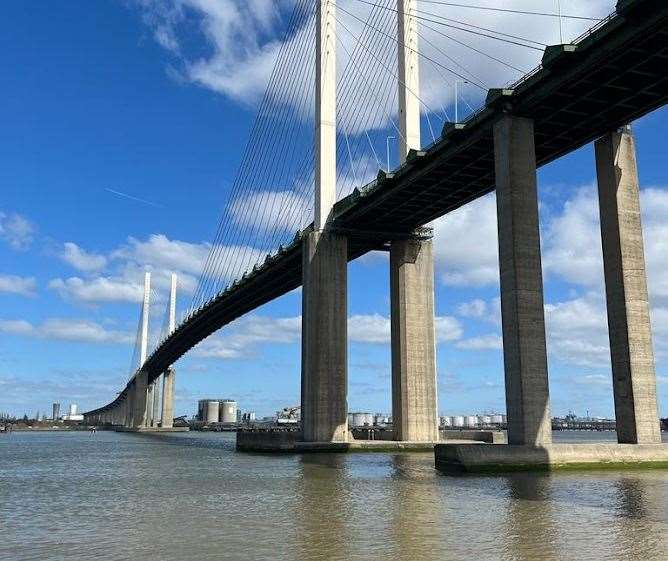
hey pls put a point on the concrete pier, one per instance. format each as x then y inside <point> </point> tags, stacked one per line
<point>139,399</point>
<point>168,380</point>
<point>324,338</point>
<point>157,402</point>
<point>633,369</point>
<point>525,356</point>
<point>414,393</point>
<point>149,403</point>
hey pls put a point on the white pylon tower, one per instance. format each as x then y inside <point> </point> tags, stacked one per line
<point>325,112</point>
<point>144,320</point>
<point>167,412</point>
<point>409,77</point>
<point>172,306</point>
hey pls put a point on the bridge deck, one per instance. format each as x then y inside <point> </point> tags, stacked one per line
<point>616,73</point>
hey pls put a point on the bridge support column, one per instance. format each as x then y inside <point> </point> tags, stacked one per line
<point>414,390</point>
<point>140,400</point>
<point>523,316</point>
<point>129,407</point>
<point>324,338</point>
<point>157,402</point>
<point>633,369</point>
<point>150,394</point>
<point>168,380</point>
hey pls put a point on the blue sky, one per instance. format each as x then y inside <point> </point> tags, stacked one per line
<point>151,98</point>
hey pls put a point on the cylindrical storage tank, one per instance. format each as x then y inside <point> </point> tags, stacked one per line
<point>458,421</point>
<point>471,421</point>
<point>446,422</point>
<point>497,419</point>
<point>211,411</point>
<point>379,419</point>
<point>362,419</point>
<point>485,419</point>
<point>228,411</point>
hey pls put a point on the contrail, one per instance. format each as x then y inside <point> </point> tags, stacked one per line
<point>126,196</point>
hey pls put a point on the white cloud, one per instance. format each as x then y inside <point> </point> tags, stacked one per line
<point>240,337</point>
<point>485,310</point>
<point>119,275</point>
<point>244,38</point>
<point>372,328</point>
<point>66,330</point>
<point>573,241</point>
<point>81,259</point>
<point>466,245</point>
<point>13,284</point>
<point>483,342</point>
<point>375,328</point>
<point>159,252</point>
<point>577,331</point>
<point>16,326</point>
<point>99,289</point>
<point>272,210</point>
<point>474,309</point>
<point>447,329</point>
<point>16,230</point>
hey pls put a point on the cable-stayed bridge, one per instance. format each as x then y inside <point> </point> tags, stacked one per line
<point>309,197</point>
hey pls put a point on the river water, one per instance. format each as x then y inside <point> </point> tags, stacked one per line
<point>190,496</point>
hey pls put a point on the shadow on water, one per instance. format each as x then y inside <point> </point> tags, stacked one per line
<point>416,510</point>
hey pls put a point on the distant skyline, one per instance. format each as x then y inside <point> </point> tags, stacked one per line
<point>123,127</point>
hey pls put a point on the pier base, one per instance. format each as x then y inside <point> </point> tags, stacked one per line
<point>507,457</point>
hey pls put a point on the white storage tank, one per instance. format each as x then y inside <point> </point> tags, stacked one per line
<point>362,420</point>
<point>211,411</point>
<point>485,420</point>
<point>471,421</point>
<point>228,411</point>
<point>458,421</point>
<point>446,421</point>
<point>497,419</point>
<point>380,419</point>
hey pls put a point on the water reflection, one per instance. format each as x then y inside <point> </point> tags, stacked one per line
<point>322,507</point>
<point>642,516</point>
<point>529,527</point>
<point>416,513</point>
